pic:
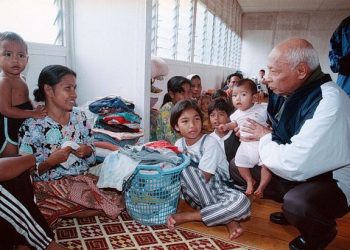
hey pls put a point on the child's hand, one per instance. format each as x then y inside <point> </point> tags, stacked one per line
<point>82,151</point>
<point>222,128</point>
<point>39,112</point>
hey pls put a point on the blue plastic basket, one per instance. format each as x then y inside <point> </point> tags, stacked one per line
<point>151,194</point>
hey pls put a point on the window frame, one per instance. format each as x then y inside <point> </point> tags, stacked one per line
<point>227,48</point>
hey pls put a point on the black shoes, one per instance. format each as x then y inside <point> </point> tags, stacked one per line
<point>278,218</point>
<point>300,244</point>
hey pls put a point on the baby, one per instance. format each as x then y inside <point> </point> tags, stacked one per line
<point>244,94</point>
<point>15,105</point>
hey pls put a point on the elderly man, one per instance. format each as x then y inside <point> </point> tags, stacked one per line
<point>308,147</point>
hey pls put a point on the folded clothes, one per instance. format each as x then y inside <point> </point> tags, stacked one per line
<point>100,137</point>
<point>100,123</point>
<point>110,105</point>
<point>119,136</point>
<point>106,145</point>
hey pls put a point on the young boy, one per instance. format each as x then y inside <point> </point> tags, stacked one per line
<point>15,105</point>
<point>203,181</point>
<point>243,98</point>
<point>179,88</point>
<point>219,113</point>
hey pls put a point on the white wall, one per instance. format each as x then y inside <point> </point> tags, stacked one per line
<point>41,55</point>
<point>262,31</point>
<point>211,76</point>
<point>112,51</point>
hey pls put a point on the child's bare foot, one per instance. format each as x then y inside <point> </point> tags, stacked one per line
<point>250,187</point>
<point>170,222</point>
<point>259,193</point>
<point>180,218</point>
<point>235,230</point>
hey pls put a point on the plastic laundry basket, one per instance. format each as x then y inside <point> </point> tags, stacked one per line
<point>151,194</point>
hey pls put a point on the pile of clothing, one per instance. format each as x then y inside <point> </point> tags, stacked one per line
<point>120,165</point>
<point>116,125</point>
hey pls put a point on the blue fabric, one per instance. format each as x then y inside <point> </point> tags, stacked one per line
<point>339,48</point>
<point>110,105</point>
<point>130,117</point>
<point>149,156</point>
<point>103,137</point>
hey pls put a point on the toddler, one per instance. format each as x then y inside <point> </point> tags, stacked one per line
<point>243,98</point>
<point>203,182</point>
<point>15,105</point>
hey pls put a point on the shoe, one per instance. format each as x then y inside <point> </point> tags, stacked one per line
<point>278,218</point>
<point>300,244</point>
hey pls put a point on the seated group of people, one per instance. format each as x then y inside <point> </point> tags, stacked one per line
<point>293,150</point>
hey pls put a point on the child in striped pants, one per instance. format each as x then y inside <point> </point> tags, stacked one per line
<point>204,182</point>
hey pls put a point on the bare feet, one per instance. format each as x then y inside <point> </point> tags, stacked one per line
<point>250,187</point>
<point>259,192</point>
<point>180,218</point>
<point>235,230</point>
<point>170,222</point>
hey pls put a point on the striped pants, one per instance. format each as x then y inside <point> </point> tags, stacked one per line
<point>218,203</point>
<point>21,222</point>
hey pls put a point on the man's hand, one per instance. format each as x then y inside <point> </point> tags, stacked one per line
<point>254,129</point>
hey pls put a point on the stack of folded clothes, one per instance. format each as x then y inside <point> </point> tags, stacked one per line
<point>117,125</point>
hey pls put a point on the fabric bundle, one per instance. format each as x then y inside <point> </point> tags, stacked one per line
<point>117,124</point>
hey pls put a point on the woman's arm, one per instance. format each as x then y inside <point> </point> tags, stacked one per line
<point>57,157</point>
<point>11,167</point>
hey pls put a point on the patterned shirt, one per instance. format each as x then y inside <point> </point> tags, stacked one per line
<point>42,137</point>
<point>164,131</point>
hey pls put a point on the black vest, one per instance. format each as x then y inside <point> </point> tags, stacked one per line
<point>298,108</point>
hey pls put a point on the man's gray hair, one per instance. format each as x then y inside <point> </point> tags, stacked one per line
<point>308,55</point>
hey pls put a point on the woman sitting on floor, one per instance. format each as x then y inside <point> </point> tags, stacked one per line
<point>63,146</point>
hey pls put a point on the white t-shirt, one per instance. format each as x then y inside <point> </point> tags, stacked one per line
<point>221,140</point>
<point>258,113</point>
<point>213,155</point>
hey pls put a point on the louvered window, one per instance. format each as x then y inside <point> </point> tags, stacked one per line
<point>200,31</point>
<point>172,27</point>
